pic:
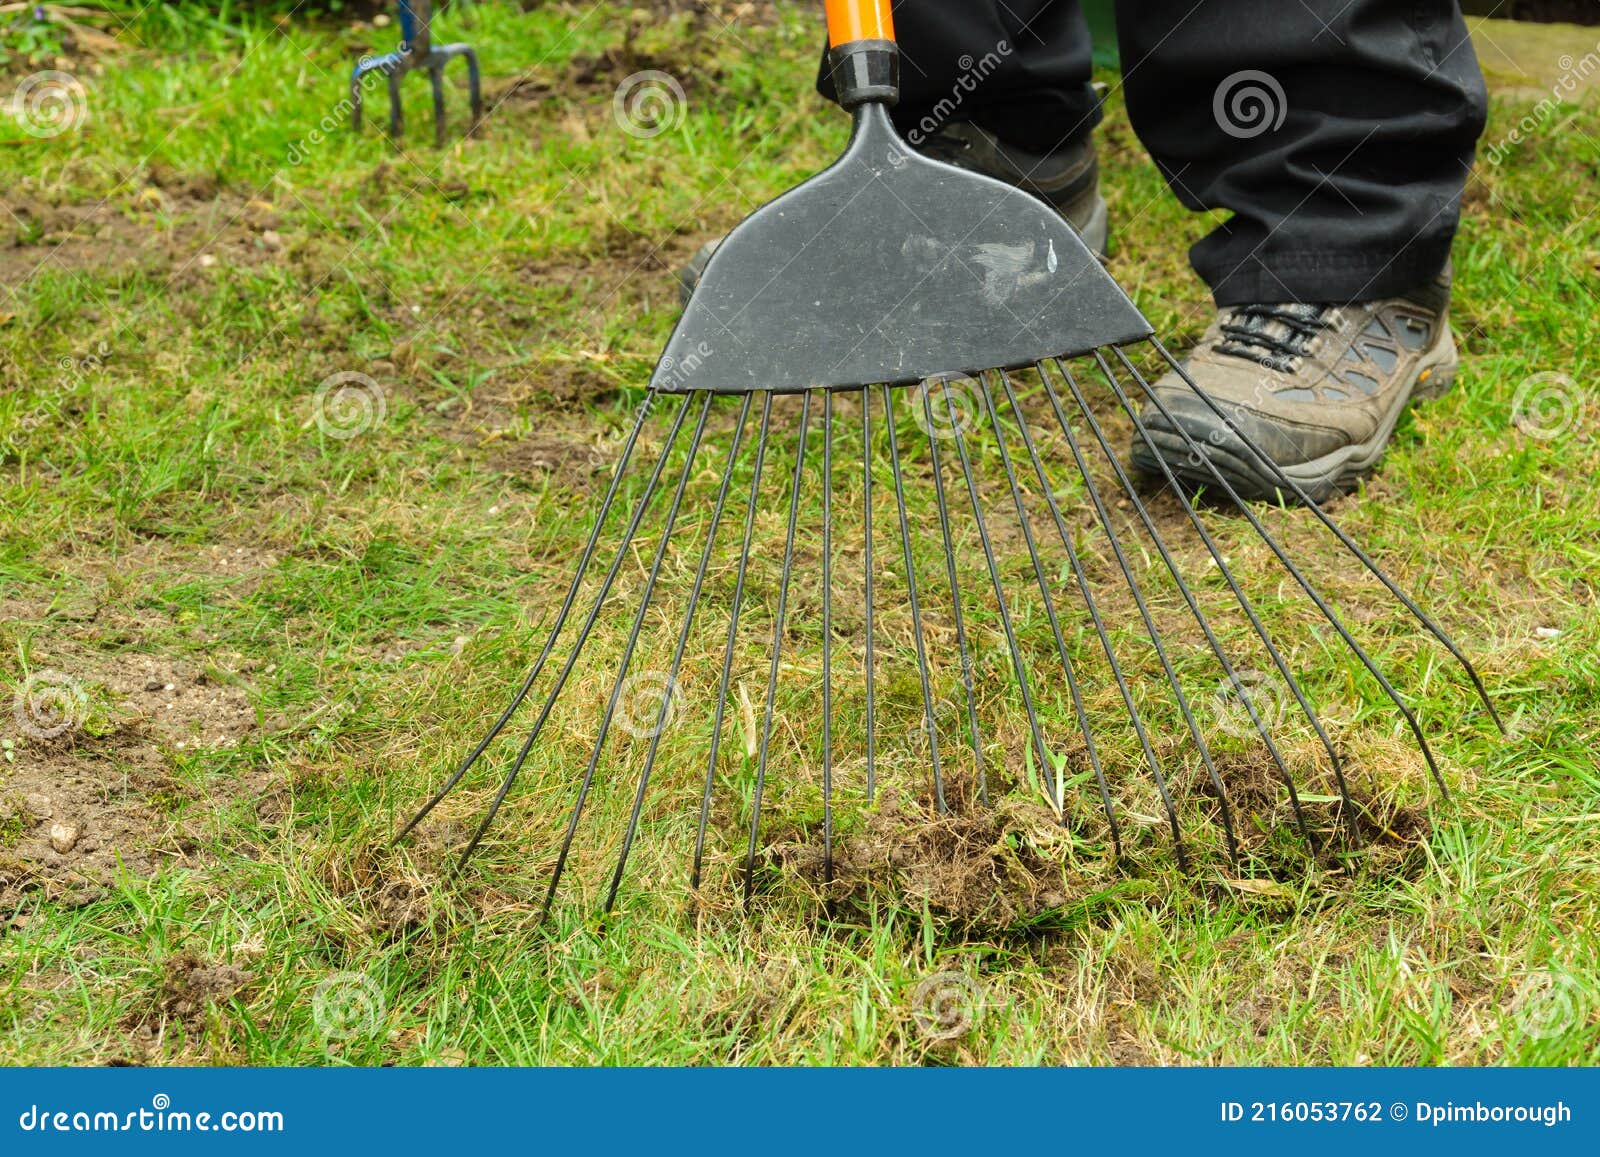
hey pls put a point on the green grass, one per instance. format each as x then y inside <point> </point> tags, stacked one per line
<point>159,368</point>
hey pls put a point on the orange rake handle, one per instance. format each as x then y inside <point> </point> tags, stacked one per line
<point>853,20</point>
<point>862,54</point>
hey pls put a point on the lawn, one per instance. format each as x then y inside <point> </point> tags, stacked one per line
<point>301,436</point>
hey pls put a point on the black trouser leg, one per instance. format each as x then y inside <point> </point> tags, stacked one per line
<point>1020,69</point>
<point>1356,193</point>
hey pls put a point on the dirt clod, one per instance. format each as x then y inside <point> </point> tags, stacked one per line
<point>190,985</point>
<point>64,837</point>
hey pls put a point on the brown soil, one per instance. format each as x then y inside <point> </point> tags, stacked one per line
<point>979,867</point>
<point>1271,840</point>
<point>565,461</point>
<point>588,74</point>
<point>105,796</point>
<point>1011,866</point>
<point>77,814</point>
<point>191,985</point>
<point>385,888</point>
<point>173,228</point>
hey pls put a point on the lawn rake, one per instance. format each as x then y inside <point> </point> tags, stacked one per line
<point>975,599</point>
<point>416,51</point>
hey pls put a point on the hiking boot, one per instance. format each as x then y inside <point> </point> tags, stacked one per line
<point>1317,388</point>
<point>1068,180</point>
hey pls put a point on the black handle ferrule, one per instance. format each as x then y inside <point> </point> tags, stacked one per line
<point>865,70</point>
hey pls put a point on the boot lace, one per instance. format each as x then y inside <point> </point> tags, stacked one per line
<point>1274,336</point>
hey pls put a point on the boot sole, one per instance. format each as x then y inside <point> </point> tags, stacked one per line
<point>1321,478</point>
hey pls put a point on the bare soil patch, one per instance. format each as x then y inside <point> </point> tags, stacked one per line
<point>106,794</point>
<point>171,227</point>
<point>78,814</point>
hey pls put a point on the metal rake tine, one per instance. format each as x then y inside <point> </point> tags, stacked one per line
<point>1019,667</point>
<point>777,648</point>
<point>866,489</point>
<point>561,616</point>
<point>1149,623</point>
<point>916,611</point>
<point>1306,585</point>
<point>583,637</point>
<point>627,654</point>
<point>733,634</point>
<point>827,637</point>
<point>955,597</point>
<point>1184,589</point>
<point>1278,661</point>
<point>677,654</point>
<point>1098,622</point>
<point>1366,560</point>
<point>1055,631</point>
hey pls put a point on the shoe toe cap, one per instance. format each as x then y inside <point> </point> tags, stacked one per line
<point>1285,440</point>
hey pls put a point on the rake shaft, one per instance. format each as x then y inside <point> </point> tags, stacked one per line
<point>1245,605</point>
<point>670,689</point>
<point>577,647</point>
<point>1349,544</point>
<point>1305,584</point>
<point>733,635</point>
<point>827,638</point>
<point>1144,611</point>
<point>627,653</point>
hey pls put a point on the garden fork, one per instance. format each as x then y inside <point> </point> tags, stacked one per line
<point>416,51</point>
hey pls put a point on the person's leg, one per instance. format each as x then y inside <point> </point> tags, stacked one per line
<point>1020,69</point>
<point>1338,132</point>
